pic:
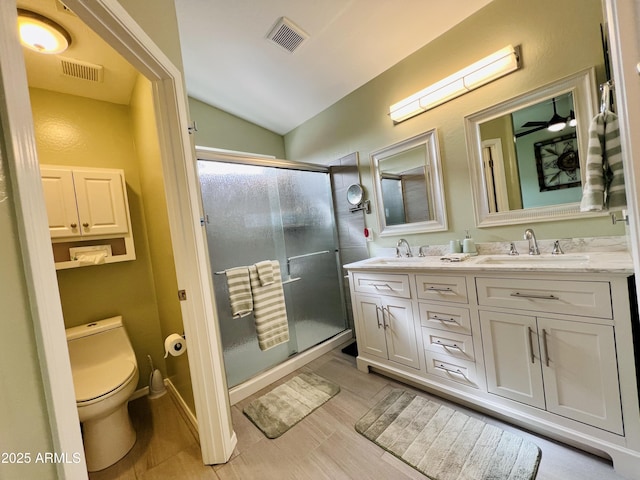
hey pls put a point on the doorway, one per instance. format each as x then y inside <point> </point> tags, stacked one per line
<point>116,27</point>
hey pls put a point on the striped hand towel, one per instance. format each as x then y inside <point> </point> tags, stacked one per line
<point>265,272</point>
<point>269,309</point>
<point>239,291</point>
<point>604,186</point>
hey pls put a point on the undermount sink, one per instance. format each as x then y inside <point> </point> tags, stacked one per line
<point>399,261</point>
<point>536,259</point>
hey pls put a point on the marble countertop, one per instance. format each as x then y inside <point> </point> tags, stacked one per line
<point>583,262</point>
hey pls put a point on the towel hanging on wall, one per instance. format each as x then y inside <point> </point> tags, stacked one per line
<point>604,186</point>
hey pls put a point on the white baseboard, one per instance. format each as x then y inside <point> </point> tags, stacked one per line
<point>183,408</point>
<point>257,383</point>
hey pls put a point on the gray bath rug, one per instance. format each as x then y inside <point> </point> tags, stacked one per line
<point>445,444</point>
<point>277,411</point>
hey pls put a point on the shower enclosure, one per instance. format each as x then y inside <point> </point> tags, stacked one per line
<point>273,210</point>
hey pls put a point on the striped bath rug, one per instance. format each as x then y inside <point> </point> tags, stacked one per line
<point>445,444</point>
<point>277,411</point>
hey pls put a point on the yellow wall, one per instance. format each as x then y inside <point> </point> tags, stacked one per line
<point>159,235</point>
<point>77,131</point>
<point>557,39</point>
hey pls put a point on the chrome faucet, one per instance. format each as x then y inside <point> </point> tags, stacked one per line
<point>533,243</point>
<point>402,242</point>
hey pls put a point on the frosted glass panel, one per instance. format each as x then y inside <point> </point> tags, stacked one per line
<point>255,213</point>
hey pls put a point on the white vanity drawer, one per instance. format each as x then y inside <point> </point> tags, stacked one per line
<point>391,285</point>
<point>442,288</point>
<point>448,343</point>
<point>591,299</point>
<point>461,371</point>
<point>445,317</point>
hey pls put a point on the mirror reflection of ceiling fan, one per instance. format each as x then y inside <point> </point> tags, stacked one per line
<point>554,124</point>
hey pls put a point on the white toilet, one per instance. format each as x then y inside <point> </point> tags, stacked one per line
<point>105,374</point>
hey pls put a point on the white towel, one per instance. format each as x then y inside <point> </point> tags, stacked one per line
<point>604,186</point>
<point>239,291</point>
<point>269,309</point>
<point>265,272</point>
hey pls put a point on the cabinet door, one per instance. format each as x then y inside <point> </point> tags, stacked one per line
<point>60,200</point>
<point>102,202</point>
<point>512,357</point>
<point>401,334</point>
<point>371,333</point>
<point>580,372</point>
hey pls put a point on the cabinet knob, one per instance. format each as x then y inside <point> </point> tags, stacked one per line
<point>73,225</point>
<point>85,225</point>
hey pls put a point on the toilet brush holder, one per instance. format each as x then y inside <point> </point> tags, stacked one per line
<point>156,385</point>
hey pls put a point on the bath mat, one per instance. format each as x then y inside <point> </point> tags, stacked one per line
<point>277,411</point>
<point>445,444</point>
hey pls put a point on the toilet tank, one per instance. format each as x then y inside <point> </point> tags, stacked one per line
<point>99,342</point>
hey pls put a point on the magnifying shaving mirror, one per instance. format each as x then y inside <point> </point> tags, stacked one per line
<point>355,195</point>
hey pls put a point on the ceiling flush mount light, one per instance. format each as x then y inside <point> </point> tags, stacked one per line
<point>496,65</point>
<point>41,34</point>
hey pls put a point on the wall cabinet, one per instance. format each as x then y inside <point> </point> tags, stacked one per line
<point>552,352</point>
<point>87,207</point>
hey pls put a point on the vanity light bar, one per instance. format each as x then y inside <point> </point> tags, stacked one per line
<point>496,65</point>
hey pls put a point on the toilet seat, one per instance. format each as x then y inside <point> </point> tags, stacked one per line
<point>94,383</point>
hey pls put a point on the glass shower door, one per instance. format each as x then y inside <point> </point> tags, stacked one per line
<point>255,213</point>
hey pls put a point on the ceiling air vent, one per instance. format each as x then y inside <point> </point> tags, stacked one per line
<point>287,35</point>
<point>81,70</point>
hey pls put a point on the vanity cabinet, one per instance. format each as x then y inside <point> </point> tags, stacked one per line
<point>566,367</point>
<point>551,351</point>
<point>386,320</point>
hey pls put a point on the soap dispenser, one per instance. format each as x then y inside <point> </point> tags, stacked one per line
<point>468,246</point>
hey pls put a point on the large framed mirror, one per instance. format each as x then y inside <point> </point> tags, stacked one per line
<point>407,179</point>
<point>525,154</point>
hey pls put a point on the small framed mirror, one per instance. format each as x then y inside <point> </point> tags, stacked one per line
<point>526,155</point>
<point>408,186</point>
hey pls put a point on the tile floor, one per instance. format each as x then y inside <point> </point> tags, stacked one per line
<point>324,446</point>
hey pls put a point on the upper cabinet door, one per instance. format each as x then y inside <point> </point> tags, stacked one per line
<point>60,198</point>
<point>101,201</point>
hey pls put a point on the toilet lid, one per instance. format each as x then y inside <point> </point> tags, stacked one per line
<point>100,379</point>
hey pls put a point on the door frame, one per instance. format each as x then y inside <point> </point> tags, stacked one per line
<point>112,22</point>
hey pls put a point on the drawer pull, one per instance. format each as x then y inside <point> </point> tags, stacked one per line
<point>377,286</point>
<point>531,295</point>
<point>441,319</point>
<point>446,345</point>
<point>439,289</point>
<point>453,372</point>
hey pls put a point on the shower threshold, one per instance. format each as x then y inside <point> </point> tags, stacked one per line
<point>262,380</point>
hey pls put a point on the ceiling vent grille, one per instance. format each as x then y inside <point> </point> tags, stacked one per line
<point>287,35</point>
<point>82,70</point>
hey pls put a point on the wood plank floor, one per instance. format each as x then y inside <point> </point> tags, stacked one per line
<point>324,446</point>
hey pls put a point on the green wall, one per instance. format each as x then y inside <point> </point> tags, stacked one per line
<point>24,421</point>
<point>557,39</point>
<point>77,131</point>
<point>219,129</point>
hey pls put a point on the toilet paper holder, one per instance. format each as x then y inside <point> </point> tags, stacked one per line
<point>175,345</point>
